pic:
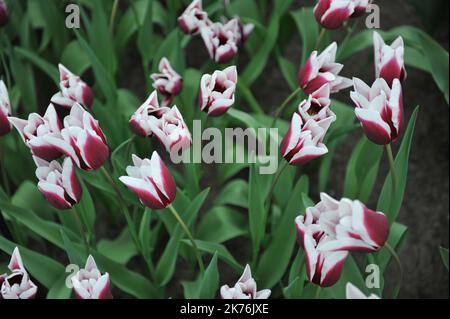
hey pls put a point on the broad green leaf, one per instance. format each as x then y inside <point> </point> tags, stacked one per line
<point>308,28</point>
<point>257,214</point>
<point>39,62</point>
<point>221,224</point>
<point>120,250</point>
<point>86,209</point>
<point>74,58</point>
<point>72,253</point>
<point>234,193</point>
<point>210,281</point>
<point>59,290</point>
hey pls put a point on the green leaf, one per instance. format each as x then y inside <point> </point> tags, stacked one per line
<point>221,224</point>
<point>210,282</point>
<point>444,255</point>
<point>87,209</point>
<point>234,193</point>
<point>308,28</point>
<point>401,171</point>
<point>74,58</point>
<point>72,253</point>
<point>120,250</point>
<point>59,290</point>
<point>256,212</point>
<point>39,62</point>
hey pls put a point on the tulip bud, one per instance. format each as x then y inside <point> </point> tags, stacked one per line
<point>331,14</point>
<point>58,184</point>
<point>167,82</point>
<point>4,16</point>
<point>17,285</point>
<point>73,90</point>
<point>89,283</point>
<point>240,31</point>
<point>83,133</point>
<point>147,112</point>
<point>42,135</point>
<point>5,109</point>
<point>389,60</point>
<point>304,141</point>
<point>245,288</point>
<point>221,41</point>
<point>151,181</point>
<point>321,70</point>
<point>352,292</point>
<point>217,91</point>
<point>317,107</point>
<point>193,18</point>
<point>379,109</point>
<point>171,131</point>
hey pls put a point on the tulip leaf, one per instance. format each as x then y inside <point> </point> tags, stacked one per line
<point>145,33</point>
<point>209,284</point>
<point>87,209</point>
<point>166,265</point>
<point>39,62</point>
<point>59,290</point>
<point>308,28</point>
<point>277,255</point>
<point>401,172</point>
<point>72,253</point>
<point>234,193</point>
<point>288,70</point>
<point>444,255</point>
<point>256,212</point>
<point>120,250</point>
<point>75,59</point>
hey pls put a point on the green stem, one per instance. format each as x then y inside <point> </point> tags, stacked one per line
<point>319,39</point>
<point>393,175</point>
<point>274,182</point>
<point>112,18</point>
<point>191,238</point>
<point>318,291</point>
<point>82,229</point>
<point>400,268</point>
<point>284,105</point>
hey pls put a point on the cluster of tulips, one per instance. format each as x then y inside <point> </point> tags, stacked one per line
<point>327,232</point>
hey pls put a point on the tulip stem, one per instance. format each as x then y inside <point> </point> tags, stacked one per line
<point>112,18</point>
<point>191,238</point>
<point>274,183</point>
<point>392,171</point>
<point>319,39</point>
<point>81,228</point>
<point>284,105</point>
<point>318,291</point>
<point>400,268</point>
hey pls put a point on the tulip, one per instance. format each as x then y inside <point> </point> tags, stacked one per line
<point>58,183</point>
<point>317,107</point>
<point>304,141</point>
<point>361,7</point>
<point>193,18</point>
<point>217,91</point>
<point>241,31</point>
<point>332,14</point>
<point>379,109</point>
<point>350,225</point>
<point>4,16</point>
<point>324,268</point>
<point>42,135</point>
<point>73,90</point>
<point>5,110</point>
<point>147,112</point>
<point>221,41</point>
<point>322,69</point>
<point>389,60</point>
<point>172,131</point>
<point>83,133</point>
<point>245,288</point>
<point>89,283</point>
<point>352,292</point>
<point>17,285</point>
<point>167,82</point>
<point>151,181</point>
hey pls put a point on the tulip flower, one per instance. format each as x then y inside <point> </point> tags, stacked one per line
<point>147,112</point>
<point>349,225</point>
<point>379,109</point>
<point>5,110</point>
<point>361,7</point>
<point>352,292</point>
<point>221,41</point>
<point>83,133</point>
<point>167,82</point>
<point>4,16</point>
<point>89,283</point>
<point>73,90</point>
<point>42,135</point>
<point>58,183</point>
<point>322,69</point>
<point>217,91</point>
<point>332,14</point>
<point>389,60</point>
<point>17,285</point>
<point>193,18</point>
<point>172,131</point>
<point>245,288</point>
<point>304,141</point>
<point>241,31</point>
<point>151,181</point>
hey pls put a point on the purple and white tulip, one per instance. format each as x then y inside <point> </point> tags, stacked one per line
<point>42,135</point>
<point>72,90</point>
<point>245,288</point>
<point>89,283</point>
<point>193,18</point>
<point>317,107</point>
<point>389,60</point>
<point>147,112</point>
<point>172,131</point>
<point>221,40</point>
<point>352,292</point>
<point>332,14</point>
<point>17,284</point>
<point>89,149</point>
<point>322,69</point>
<point>5,110</point>
<point>217,91</point>
<point>168,82</point>
<point>361,7</point>
<point>58,183</point>
<point>151,181</point>
<point>379,109</point>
